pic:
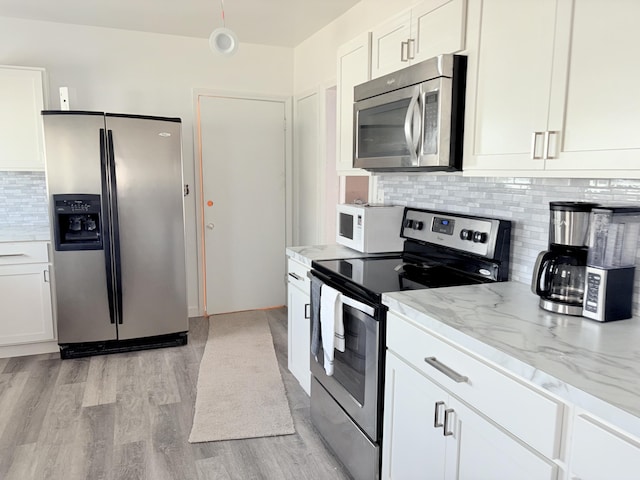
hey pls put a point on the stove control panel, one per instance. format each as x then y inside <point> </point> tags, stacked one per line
<point>477,235</point>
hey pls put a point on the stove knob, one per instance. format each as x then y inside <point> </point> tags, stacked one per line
<point>408,223</point>
<point>479,237</point>
<point>417,225</point>
<point>466,234</point>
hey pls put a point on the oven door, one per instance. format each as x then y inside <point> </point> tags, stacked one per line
<point>357,372</point>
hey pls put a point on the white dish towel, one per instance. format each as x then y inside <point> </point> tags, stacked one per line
<point>331,325</point>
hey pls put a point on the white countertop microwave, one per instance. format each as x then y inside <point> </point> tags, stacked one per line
<point>370,228</point>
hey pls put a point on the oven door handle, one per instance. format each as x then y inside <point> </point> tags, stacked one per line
<point>358,305</point>
<point>363,307</point>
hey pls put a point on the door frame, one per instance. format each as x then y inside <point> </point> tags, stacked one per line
<point>197,149</point>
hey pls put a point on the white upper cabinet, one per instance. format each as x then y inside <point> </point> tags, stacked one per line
<point>21,136</point>
<point>354,68</point>
<point>431,28</point>
<point>550,88</point>
<point>595,105</point>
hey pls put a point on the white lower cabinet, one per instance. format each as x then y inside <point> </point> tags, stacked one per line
<point>428,433</point>
<point>599,452</point>
<point>486,451</point>
<point>449,415</point>
<point>412,447</point>
<point>299,324</point>
<point>25,294</point>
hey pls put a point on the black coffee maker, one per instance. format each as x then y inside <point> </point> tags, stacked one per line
<point>559,272</point>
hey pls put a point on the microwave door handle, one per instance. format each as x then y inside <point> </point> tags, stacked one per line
<point>408,128</point>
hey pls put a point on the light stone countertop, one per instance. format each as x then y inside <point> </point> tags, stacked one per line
<point>595,366</point>
<point>306,255</point>
<point>25,234</point>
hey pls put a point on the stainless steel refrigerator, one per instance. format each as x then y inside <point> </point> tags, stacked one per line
<point>116,197</point>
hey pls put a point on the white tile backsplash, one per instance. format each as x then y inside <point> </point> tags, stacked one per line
<point>524,201</point>
<point>23,200</point>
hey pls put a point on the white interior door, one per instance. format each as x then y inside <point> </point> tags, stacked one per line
<point>243,172</point>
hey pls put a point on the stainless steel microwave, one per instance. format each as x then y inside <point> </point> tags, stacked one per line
<point>412,119</point>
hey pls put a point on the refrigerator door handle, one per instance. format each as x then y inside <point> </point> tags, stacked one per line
<point>106,232</point>
<point>114,225</point>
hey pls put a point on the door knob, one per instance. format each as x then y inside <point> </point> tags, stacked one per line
<point>210,226</point>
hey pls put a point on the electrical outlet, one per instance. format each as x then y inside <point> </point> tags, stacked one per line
<point>64,98</point>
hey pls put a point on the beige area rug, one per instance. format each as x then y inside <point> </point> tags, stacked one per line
<point>240,390</point>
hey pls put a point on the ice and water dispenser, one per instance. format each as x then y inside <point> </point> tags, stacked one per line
<point>613,242</point>
<point>78,222</point>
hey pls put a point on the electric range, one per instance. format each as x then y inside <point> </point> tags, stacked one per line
<point>440,249</point>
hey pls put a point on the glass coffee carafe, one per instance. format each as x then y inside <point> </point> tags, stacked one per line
<point>559,272</point>
<point>560,276</point>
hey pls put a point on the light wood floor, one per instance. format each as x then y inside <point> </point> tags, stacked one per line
<point>128,416</point>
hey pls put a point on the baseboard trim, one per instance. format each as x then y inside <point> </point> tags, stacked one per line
<point>29,349</point>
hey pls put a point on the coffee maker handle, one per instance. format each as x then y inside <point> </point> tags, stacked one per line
<point>541,282</point>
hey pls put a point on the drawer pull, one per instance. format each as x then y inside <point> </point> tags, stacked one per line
<point>297,277</point>
<point>449,372</point>
<point>436,417</point>
<point>12,254</point>
<point>445,431</point>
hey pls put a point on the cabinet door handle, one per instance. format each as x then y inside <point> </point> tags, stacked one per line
<point>448,371</point>
<point>404,51</point>
<point>445,431</point>
<point>534,144</point>
<point>547,138</point>
<point>297,277</point>
<point>436,417</point>
<point>411,49</point>
<point>307,310</point>
<point>46,275</point>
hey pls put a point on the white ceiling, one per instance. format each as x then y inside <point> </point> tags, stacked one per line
<point>271,22</point>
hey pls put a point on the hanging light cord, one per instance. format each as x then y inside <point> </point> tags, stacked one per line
<point>224,23</point>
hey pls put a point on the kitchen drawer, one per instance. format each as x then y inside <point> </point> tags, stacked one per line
<point>528,414</point>
<point>17,253</point>
<point>297,275</point>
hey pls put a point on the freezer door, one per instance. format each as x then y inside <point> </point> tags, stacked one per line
<point>147,155</point>
<point>72,147</point>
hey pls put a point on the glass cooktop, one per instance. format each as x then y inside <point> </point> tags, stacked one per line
<point>392,274</point>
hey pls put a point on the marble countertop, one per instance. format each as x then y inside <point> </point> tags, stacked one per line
<point>595,366</point>
<point>25,234</point>
<point>306,255</point>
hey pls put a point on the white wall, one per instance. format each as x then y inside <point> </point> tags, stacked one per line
<point>315,58</point>
<point>143,73</point>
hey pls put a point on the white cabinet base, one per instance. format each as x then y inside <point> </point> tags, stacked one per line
<point>29,349</point>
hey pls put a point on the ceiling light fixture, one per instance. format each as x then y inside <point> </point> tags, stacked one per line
<point>223,40</point>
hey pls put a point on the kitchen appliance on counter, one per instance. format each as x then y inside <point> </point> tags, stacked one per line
<point>115,183</point>
<point>369,228</point>
<point>613,243</point>
<point>559,272</point>
<point>440,249</point>
<point>412,119</point>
